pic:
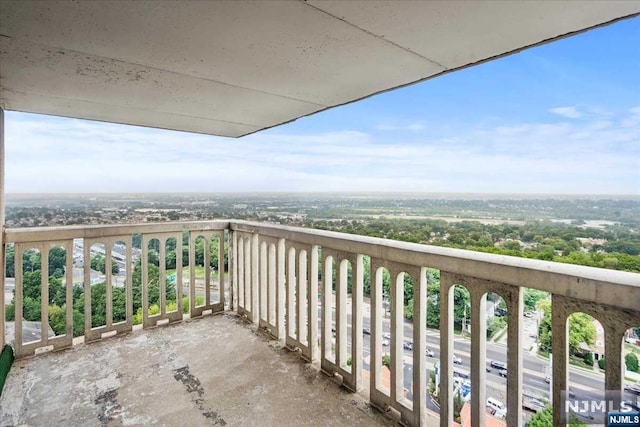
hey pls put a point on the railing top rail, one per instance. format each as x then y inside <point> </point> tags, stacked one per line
<point>615,288</point>
<point>43,234</point>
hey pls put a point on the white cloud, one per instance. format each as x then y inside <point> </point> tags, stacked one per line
<point>47,154</point>
<point>568,112</point>
<point>412,127</point>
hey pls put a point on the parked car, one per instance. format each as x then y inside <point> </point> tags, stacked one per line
<point>497,406</point>
<point>366,331</point>
<point>533,404</point>
<point>386,335</point>
<point>386,342</point>
<point>429,353</point>
<point>547,379</point>
<point>407,345</point>
<point>528,314</point>
<point>457,360</point>
<point>503,373</point>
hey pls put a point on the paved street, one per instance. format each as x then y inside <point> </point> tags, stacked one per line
<point>582,383</point>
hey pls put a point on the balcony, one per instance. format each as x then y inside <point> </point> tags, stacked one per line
<point>273,330</point>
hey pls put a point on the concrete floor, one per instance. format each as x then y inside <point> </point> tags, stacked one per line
<point>217,370</point>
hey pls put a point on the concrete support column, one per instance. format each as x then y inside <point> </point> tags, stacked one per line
<point>255,304</point>
<point>397,333</point>
<point>233,270</point>
<point>312,307</point>
<point>2,254</point>
<point>375,361</point>
<point>559,345</point>
<point>514,356</point>
<point>419,346</point>
<point>478,355</point>
<point>614,342</point>
<point>446,348</point>
<point>357,293</point>
<point>281,296</point>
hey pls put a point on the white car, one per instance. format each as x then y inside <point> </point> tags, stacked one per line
<point>457,360</point>
<point>386,336</point>
<point>632,388</point>
<point>429,353</point>
<point>386,342</point>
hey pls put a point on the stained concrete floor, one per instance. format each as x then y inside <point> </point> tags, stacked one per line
<point>217,370</point>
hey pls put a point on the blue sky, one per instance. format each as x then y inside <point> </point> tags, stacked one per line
<point>561,118</point>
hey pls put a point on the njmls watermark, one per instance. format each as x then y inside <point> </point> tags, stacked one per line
<point>610,408</point>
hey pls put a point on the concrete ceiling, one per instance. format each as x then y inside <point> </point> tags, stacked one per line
<point>233,68</point>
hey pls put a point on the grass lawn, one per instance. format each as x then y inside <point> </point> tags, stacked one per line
<point>579,363</point>
<point>632,348</point>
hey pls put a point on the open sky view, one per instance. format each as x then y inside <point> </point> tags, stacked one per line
<point>560,118</point>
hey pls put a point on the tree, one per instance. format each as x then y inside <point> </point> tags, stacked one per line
<point>213,253</point>
<point>153,286</point>
<point>532,296</point>
<point>57,292</point>
<point>57,319</point>
<point>458,403</point>
<point>10,260</point>
<point>513,245</point>
<point>386,361</point>
<point>98,305</point>
<point>31,261</point>
<point>433,305</point>
<point>78,323</point>
<point>57,261</point>
<point>495,324</point>
<point>98,263</point>
<point>588,359</point>
<point>544,418</point>
<point>31,309</point>
<point>408,309</point>
<point>31,282</point>
<point>631,360</point>
<point>581,330</point>
<point>544,329</point>
<point>461,305</point>
<point>408,290</point>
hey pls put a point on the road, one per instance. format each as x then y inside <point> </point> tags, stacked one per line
<point>583,384</point>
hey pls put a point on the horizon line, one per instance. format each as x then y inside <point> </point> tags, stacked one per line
<point>343,193</point>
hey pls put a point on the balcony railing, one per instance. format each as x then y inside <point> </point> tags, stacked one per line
<point>274,277</point>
